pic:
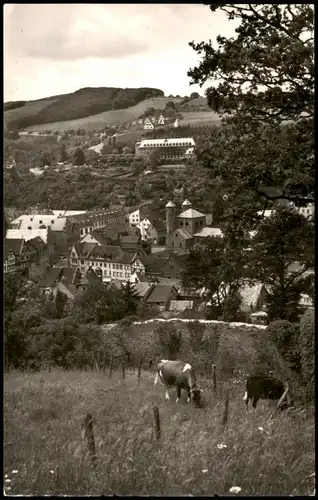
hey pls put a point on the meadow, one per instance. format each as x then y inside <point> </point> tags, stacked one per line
<point>44,452</point>
<point>112,117</point>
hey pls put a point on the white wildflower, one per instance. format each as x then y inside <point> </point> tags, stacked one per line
<point>235,489</point>
<point>261,428</point>
<point>8,488</point>
<point>52,471</point>
<point>204,471</point>
<point>6,475</point>
<point>8,480</point>
<point>221,445</point>
<point>15,472</point>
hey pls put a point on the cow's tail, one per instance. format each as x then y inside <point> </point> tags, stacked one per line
<point>156,379</point>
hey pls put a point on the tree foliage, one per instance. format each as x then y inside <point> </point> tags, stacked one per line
<point>281,252</point>
<point>261,78</point>
<point>307,353</point>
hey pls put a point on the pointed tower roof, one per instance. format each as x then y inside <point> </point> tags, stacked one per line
<point>170,204</point>
<point>186,203</point>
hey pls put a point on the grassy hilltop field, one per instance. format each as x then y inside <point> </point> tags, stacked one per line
<point>95,108</point>
<point>195,455</point>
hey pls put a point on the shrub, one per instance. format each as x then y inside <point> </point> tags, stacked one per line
<point>196,332</point>
<point>307,353</point>
<point>170,339</point>
<point>285,336</point>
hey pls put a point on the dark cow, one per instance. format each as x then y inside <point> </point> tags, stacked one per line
<point>262,387</point>
<point>181,376</point>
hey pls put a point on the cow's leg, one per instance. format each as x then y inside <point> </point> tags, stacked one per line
<point>189,396</point>
<point>246,399</point>
<point>167,394</point>
<point>156,379</point>
<point>254,403</point>
<point>178,393</point>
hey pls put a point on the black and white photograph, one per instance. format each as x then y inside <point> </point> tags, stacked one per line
<point>159,250</point>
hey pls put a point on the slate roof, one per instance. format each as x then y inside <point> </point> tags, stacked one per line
<point>83,249</point>
<point>37,243</point>
<point>160,293</point>
<point>105,252</point>
<point>67,275</point>
<point>13,244</point>
<point>155,264</point>
<point>170,204</point>
<point>51,275</point>
<point>131,238</point>
<point>191,213</point>
<point>184,234</point>
<point>143,289</point>
<point>97,236</point>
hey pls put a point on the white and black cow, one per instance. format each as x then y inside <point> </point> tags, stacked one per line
<point>262,387</point>
<point>180,375</point>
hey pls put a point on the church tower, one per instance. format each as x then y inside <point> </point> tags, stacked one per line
<point>170,221</point>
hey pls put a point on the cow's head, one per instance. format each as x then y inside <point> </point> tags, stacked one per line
<point>196,395</point>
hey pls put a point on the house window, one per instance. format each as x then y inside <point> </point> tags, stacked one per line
<point>86,230</point>
<point>187,223</point>
<point>92,264</point>
<point>201,222</point>
<point>120,266</point>
<point>121,275</point>
<point>181,223</point>
<point>82,262</point>
<point>180,244</point>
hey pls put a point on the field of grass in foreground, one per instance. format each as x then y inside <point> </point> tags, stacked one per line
<point>43,413</point>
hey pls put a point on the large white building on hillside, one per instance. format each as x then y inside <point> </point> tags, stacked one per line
<point>168,148</point>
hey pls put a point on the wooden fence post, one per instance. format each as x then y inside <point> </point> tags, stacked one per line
<point>139,367</point>
<point>104,365</point>
<point>111,366</point>
<point>88,435</point>
<point>213,378</point>
<point>123,369</point>
<point>156,418</point>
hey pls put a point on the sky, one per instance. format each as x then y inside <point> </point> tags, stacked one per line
<point>52,49</point>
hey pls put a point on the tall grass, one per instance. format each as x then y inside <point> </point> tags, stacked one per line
<point>42,440</point>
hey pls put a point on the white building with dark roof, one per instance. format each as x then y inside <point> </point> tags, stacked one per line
<point>168,148</point>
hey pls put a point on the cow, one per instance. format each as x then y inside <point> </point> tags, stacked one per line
<point>262,387</point>
<point>180,375</point>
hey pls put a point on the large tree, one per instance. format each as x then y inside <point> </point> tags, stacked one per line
<point>261,78</point>
<point>282,251</point>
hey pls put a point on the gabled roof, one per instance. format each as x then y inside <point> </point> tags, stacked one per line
<point>143,289</point>
<point>15,245</point>
<point>160,293</point>
<point>37,243</point>
<point>191,213</point>
<point>105,252</point>
<point>51,275</point>
<point>68,275</point>
<point>155,264</point>
<point>186,203</point>
<point>83,249</point>
<point>97,236</point>
<point>131,238</point>
<point>126,258</point>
